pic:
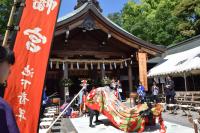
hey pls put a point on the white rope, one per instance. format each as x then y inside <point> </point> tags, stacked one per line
<point>89,61</point>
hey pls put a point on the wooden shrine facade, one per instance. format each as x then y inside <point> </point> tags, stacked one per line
<point>87,45</point>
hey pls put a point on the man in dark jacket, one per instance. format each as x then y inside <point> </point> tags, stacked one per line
<point>93,113</point>
<point>7,120</point>
<point>169,90</point>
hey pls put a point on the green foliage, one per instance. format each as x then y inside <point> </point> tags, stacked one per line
<point>66,83</point>
<point>160,21</point>
<point>5,7</point>
<point>105,81</point>
<point>189,13</point>
<point>116,17</point>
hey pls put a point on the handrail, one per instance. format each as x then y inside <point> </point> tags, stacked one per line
<point>84,87</point>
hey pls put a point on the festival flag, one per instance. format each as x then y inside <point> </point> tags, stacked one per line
<point>32,47</point>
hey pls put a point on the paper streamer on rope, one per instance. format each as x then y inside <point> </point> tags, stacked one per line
<point>57,65</point>
<point>86,67</point>
<point>125,64</point>
<point>121,66</point>
<point>115,65</point>
<point>77,65</point>
<point>98,67</point>
<point>104,66</point>
<point>91,65</point>
<point>88,61</point>
<point>51,64</point>
<point>72,66</point>
<point>63,66</point>
<point>111,66</point>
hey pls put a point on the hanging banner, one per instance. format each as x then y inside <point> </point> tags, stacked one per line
<point>142,61</point>
<point>32,47</point>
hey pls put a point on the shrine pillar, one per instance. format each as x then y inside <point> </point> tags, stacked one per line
<point>130,78</point>
<point>66,76</point>
<point>142,62</point>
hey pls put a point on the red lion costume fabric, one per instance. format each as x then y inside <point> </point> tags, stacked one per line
<point>127,119</point>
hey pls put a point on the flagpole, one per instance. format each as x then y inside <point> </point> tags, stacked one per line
<point>10,22</point>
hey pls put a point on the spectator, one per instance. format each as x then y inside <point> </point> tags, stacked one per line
<point>141,92</point>
<point>169,91</point>
<point>7,120</point>
<point>45,100</point>
<point>69,109</point>
<point>155,92</point>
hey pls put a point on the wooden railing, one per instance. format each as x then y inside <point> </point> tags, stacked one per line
<point>189,97</point>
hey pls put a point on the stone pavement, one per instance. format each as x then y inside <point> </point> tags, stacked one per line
<point>81,125</point>
<point>179,118</point>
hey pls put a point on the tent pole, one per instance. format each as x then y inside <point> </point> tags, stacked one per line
<point>193,83</point>
<point>185,80</point>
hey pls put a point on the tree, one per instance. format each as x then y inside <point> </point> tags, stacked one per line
<point>5,7</point>
<point>116,17</point>
<point>152,20</point>
<point>189,13</point>
<point>159,21</point>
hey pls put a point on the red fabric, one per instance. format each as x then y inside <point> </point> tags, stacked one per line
<point>32,47</point>
<point>127,119</point>
<point>116,94</point>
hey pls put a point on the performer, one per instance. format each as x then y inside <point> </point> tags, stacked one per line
<point>113,84</point>
<point>114,87</point>
<point>93,113</point>
<point>119,90</point>
<point>7,120</point>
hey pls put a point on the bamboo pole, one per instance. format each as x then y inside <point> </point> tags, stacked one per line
<point>10,22</point>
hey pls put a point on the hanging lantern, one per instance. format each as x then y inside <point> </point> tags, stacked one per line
<point>125,64</point>
<point>86,67</point>
<point>77,65</point>
<point>115,65</point>
<point>91,65</point>
<point>98,67</point>
<point>51,64</point>
<point>111,66</point>
<point>72,66</point>
<point>121,66</point>
<point>104,67</point>
<point>57,65</point>
<point>63,66</point>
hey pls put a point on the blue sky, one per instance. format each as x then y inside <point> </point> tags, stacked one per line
<point>108,6</point>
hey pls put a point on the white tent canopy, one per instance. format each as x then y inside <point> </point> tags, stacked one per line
<point>179,63</point>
